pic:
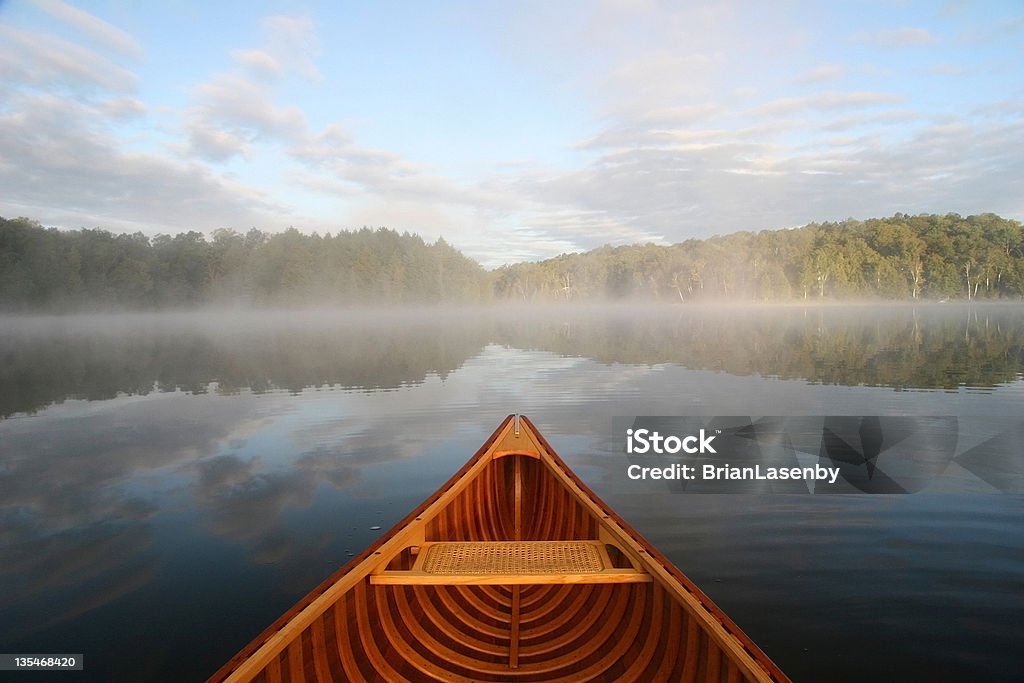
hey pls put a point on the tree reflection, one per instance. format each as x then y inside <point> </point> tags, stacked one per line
<point>937,347</point>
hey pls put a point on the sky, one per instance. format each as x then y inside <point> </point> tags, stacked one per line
<point>515,130</point>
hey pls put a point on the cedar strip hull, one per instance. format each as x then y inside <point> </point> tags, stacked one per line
<point>514,488</point>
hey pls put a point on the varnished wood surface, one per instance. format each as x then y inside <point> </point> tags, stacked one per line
<point>360,625</point>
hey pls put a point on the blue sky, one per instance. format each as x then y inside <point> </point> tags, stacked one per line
<point>515,130</point>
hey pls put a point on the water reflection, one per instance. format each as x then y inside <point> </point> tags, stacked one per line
<point>75,518</point>
<point>217,509</point>
<point>937,347</point>
<point>52,360</point>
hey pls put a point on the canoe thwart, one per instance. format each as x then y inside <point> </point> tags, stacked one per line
<point>511,563</point>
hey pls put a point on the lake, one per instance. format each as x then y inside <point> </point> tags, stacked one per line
<point>171,483</point>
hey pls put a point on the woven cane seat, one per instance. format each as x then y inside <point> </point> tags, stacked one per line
<point>508,557</point>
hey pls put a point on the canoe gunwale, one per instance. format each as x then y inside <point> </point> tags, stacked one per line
<point>612,529</point>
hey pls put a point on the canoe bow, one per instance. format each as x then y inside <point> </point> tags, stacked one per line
<point>514,570</point>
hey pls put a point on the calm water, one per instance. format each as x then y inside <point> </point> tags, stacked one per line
<point>171,484</point>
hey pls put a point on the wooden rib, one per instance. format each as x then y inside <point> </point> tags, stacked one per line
<point>450,631</point>
<point>690,665</point>
<point>368,642</point>
<point>624,641</point>
<point>643,658</point>
<point>713,656</point>
<point>585,638</point>
<point>274,671</point>
<point>594,641</point>
<point>669,644</point>
<point>542,631</point>
<point>320,664</point>
<point>493,600</point>
<point>296,670</point>
<point>468,604</point>
<point>332,653</point>
<point>405,646</point>
<point>573,625</point>
<point>345,638</point>
<point>518,496</point>
<point>513,648</point>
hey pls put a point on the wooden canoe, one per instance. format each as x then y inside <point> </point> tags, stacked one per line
<point>512,571</point>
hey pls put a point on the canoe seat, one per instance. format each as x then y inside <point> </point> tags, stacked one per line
<point>511,563</point>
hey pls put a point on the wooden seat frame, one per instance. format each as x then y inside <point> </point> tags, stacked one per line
<point>532,559</point>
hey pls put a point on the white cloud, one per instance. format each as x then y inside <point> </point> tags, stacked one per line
<point>663,76</point>
<point>292,41</point>
<point>107,34</point>
<point>213,143</point>
<point>244,106</point>
<point>885,117</point>
<point>683,114</point>
<point>61,164</point>
<point>123,108</point>
<point>821,74</point>
<point>45,61</point>
<point>259,63</point>
<point>235,110</point>
<point>831,100</point>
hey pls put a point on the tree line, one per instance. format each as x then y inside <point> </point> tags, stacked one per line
<point>70,269</point>
<point>902,257</point>
<point>926,256</point>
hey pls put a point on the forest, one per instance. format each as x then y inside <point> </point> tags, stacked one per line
<point>923,257</point>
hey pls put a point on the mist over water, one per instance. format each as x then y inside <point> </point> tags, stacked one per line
<point>52,359</point>
<point>176,481</point>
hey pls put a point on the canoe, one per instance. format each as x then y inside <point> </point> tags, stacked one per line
<point>512,571</point>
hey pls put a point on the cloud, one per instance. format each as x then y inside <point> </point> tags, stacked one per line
<point>44,61</point>
<point>293,42</point>
<point>659,77</point>
<point>335,163</point>
<point>63,156</point>
<point>826,101</point>
<point>652,184</point>
<point>215,144</point>
<point>234,110</point>
<point>683,114</point>
<point>60,159</point>
<point>896,38</point>
<point>122,108</point>
<point>106,34</point>
<point>821,74</point>
<point>259,63</point>
<point>885,117</point>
